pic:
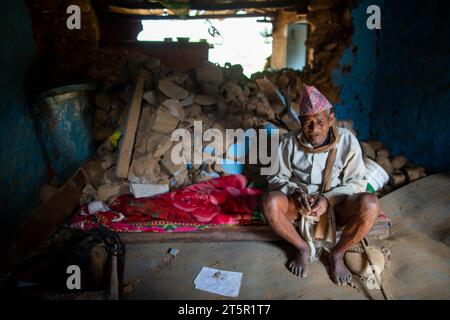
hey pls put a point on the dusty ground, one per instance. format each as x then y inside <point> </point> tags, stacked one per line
<point>420,264</point>
<point>419,267</point>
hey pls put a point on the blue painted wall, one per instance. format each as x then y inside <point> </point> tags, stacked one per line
<point>411,104</point>
<point>397,89</point>
<point>22,166</point>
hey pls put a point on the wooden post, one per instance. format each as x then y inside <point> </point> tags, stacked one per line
<point>114,280</point>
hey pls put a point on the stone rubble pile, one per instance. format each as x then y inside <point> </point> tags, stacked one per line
<point>219,97</point>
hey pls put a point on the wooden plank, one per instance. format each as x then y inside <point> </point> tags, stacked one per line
<point>52,214</point>
<point>215,234</point>
<point>127,143</point>
<point>270,91</point>
<point>225,234</point>
<point>178,56</point>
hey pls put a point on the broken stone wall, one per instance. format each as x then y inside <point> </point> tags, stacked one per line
<point>331,29</point>
<point>343,55</point>
<point>331,33</point>
<point>356,72</point>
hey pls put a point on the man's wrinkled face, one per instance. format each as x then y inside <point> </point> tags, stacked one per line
<point>315,127</point>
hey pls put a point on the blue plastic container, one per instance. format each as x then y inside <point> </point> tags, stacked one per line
<point>65,124</point>
<point>232,166</point>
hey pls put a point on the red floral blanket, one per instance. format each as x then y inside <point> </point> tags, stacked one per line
<point>222,201</point>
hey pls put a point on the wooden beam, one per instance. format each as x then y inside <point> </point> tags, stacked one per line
<point>225,234</point>
<point>216,234</point>
<point>174,17</point>
<point>211,5</point>
<point>208,16</point>
<point>127,142</point>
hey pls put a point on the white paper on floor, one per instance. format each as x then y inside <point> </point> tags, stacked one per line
<point>226,283</point>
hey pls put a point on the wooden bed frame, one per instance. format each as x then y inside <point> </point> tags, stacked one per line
<point>48,217</point>
<point>235,233</point>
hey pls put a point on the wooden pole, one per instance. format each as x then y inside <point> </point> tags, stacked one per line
<point>372,266</point>
<point>114,280</point>
<point>127,143</point>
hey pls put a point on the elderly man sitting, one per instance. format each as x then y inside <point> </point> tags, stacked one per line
<point>321,168</point>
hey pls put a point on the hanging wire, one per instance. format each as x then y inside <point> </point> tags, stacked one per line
<point>214,33</point>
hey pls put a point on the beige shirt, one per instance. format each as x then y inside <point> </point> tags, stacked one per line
<point>303,170</point>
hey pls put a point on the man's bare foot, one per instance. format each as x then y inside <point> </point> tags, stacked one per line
<point>339,272</point>
<point>299,266</point>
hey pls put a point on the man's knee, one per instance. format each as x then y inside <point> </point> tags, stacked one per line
<point>275,203</point>
<point>369,207</point>
<point>369,202</point>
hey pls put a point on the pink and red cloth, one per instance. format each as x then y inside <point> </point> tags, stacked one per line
<point>222,201</point>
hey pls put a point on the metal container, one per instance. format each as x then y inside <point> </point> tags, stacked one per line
<point>65,118</point>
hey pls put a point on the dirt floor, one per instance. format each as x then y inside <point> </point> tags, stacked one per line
<point>418,268</point>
